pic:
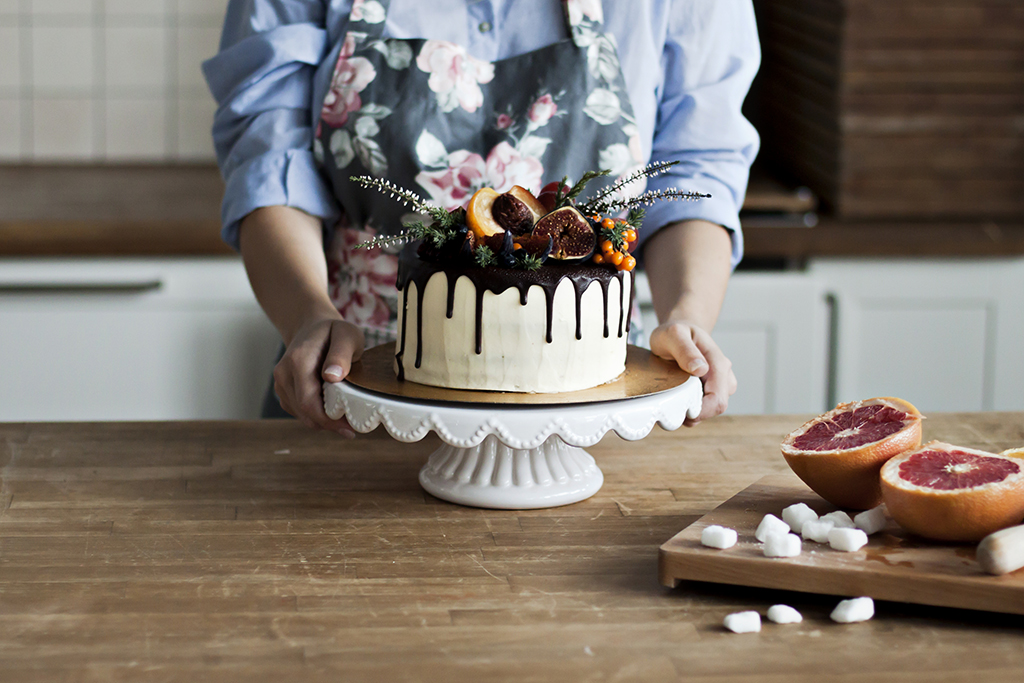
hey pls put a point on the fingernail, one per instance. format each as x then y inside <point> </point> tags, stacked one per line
<point>334,371</point>
<point>696,365</point>
<point>348,434</point>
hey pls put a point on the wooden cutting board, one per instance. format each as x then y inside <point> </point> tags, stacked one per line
<point>892,566</point>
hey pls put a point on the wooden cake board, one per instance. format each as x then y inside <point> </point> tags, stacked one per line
<point>645,374</point>
<point>894,565</point>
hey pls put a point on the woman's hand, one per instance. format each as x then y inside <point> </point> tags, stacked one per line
<point>321,350</point>
<point>284,256</point>
<point>698,354</point>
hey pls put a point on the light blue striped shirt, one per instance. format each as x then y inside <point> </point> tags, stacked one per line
<point>687,65</point>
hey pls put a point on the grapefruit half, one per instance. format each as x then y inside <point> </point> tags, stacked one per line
<point>951,493</point>
<point>840,453</point>
<point>1013,453</point>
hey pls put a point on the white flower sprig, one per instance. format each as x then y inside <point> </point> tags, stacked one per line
<point>646,199</point>
<point>407,198</point>
<point>385,241</point>
<point>595,203</point>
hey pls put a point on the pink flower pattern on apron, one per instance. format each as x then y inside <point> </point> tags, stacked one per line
<point>430,117</point>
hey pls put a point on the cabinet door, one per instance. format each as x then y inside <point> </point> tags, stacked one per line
<point>774,329</point>
<point>131,340</point>
<point>939,334</point>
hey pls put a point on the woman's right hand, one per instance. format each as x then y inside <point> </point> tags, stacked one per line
<point>321,350</point>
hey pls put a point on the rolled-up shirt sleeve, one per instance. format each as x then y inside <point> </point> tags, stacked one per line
<point>262,79</point>
<point>710,57</point>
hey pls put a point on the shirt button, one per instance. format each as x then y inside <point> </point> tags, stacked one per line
<point>485,26</point>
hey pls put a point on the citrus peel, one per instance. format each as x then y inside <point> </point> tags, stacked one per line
<point>951,493</point>
<point>839,454</point>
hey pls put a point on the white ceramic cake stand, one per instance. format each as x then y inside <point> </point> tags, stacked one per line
<point>512,456</point>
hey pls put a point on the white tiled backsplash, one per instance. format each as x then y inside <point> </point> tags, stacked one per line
<point>106,80</point>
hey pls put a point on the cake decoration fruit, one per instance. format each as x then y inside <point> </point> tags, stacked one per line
<point>951,493</point>
<point>570,233</point>
<point>502,296</point>
<point>479,214</point>
<point>550,193</point>
<point>553,225</point>
<point>839,454</point>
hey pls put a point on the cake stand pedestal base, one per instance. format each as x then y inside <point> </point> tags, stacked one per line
<point>514,451</point>
<point>493,475</point>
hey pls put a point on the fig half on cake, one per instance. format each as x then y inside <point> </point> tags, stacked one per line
<point>570,233</point>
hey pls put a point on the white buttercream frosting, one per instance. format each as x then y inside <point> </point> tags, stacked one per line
<point>515,355</point>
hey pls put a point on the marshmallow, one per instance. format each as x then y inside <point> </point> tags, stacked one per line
<point>871,521</point>
<point>784,614</point>
<point>817,530</point>
<point>743,622</point>
<point>841,519</point>
<point>855,609</point>
<point>847,540</point>
<point>782,545</point>
<point>720,537</point>
<point>770,525</point>
<point>796,515</point>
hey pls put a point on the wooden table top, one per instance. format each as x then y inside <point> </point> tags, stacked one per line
<point>260,551</point>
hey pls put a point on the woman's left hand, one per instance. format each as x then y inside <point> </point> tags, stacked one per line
<point>698,354</point>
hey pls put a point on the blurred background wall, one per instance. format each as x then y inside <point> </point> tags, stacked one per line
<point>884,222</point>
<point>106,80</point>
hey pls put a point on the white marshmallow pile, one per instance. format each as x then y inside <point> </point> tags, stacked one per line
<point>716,536</point>
<point>853,610</point>
<point>784,614</point>
<point>817,530</point>
<point>743,622</point>
<point>840,519</point>
<point>797,515</point>
<point>782,545</point>
<point>847,540</point>
<point>871,521</point>
<point>769,526</point>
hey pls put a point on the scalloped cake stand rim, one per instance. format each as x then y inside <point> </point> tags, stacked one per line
<point>513,456</point>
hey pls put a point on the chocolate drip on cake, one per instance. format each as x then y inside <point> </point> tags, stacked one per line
<point>497,280</point>
<point>622,293</point>
<point>419,325</point>
<point>401,349</point>
<point>629,311</point>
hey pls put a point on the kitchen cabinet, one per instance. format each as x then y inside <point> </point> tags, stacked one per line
<point>945,334</point>
<point>183,338</point>
<point>131,339</point>
<point>774,327</point>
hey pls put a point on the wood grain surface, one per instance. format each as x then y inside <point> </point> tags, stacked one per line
<point>899,109</point>
<point>894,565</point>
<point>261,551</point>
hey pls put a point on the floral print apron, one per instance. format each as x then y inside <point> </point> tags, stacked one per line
<point>427,116</point>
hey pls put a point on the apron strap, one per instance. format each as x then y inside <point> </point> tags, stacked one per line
<point>583,20</point>
<point>367,18</point>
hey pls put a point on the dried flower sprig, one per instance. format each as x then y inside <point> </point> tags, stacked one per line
<point>651,170</point>
<point>442,229</point>
<point>407,198</point>
<point>646,199</point>
<point>386,241</point>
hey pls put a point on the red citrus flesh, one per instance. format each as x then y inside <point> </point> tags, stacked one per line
<point>953,493</point>
<point>840,453</point>
<point>852,429</point>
